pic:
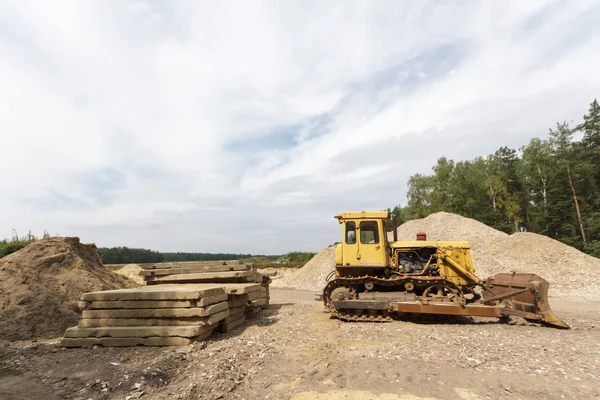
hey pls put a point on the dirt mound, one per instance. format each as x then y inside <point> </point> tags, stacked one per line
<point>131,271</point>
<point>41,284</point>
<point>312,275</point>
<point>570,272</point>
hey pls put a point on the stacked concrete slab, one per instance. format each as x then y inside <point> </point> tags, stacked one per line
<point>166,314</point>
<point>152,316</point>
<point>199,272</point>
<point>244,301</point>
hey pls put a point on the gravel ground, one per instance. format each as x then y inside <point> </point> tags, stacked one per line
<point>294,350</point>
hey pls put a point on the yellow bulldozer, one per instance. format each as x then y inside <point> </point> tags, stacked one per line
<point>377,279</point>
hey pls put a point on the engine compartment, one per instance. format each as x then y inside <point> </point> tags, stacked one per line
<point>416,261</point>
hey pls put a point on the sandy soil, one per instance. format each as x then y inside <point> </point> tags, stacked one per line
<point>131,271</point>
<point>295,351</point>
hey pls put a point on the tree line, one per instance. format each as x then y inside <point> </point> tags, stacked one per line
<point>128,255</point>
<point>550,186</point>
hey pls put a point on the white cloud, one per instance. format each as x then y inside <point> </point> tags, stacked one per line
<point>337,105</point>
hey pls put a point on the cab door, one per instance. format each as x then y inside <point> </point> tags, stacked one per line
<point>350,246</point>
<point>371,244</point>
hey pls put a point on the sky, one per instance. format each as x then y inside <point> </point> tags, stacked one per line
<point>245,126</point>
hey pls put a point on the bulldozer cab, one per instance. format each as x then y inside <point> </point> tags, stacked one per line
<point>364,241</point>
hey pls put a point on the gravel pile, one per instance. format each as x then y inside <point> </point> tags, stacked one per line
<point>452,227</point>
<point>570,272</point>
<point>313,274</point>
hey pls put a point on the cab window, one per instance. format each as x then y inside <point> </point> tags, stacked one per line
<point>350,232</point>
<point>369,232</point>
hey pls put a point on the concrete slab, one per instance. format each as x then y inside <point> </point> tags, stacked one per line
<point>108,305</point>
<point>240,288</point>
<point>228,327</point>
<point>192,270</point>
<point>254,311</point>
<point>106,322</point>
<point>158,313</point>
<point>258,303</point>
<point>215,318</point>
<point>137,331</point>
<point>166,292</point>
<point>190,264</point>
<point>237,310</point>
<point>207,301</point>
<point>256,295</point>
<point>127,342</point>
<point>132,304</point>
<point>213,277</point>
<point>234,297</point>
<point>233,318</point>
<point>237,303</point>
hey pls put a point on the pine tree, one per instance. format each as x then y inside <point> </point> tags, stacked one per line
<point>591,126</point>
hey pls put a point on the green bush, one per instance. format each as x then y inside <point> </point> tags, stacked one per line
<point>16,243</point>
<point>296,257</point>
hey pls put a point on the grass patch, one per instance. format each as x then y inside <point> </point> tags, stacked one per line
<point>296,257</point>
<point>8,370</point>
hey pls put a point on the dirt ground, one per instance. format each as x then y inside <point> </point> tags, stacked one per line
<point>295,351</point>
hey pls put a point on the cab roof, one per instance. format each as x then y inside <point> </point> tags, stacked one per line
<point>362,215</point>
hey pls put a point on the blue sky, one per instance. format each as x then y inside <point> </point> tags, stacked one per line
<point>245,126</point>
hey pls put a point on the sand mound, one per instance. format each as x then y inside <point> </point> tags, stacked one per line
<point>41,284</point>
<point>131,271</point>
<point>312,275</point>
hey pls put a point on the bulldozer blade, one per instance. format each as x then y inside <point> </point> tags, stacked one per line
<point>524,295</point>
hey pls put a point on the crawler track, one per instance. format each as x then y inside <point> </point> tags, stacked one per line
<point>357,285</point>
<point>377,316</point>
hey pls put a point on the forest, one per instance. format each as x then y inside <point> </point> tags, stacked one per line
<point>128,255</point>
<point>550,186</point>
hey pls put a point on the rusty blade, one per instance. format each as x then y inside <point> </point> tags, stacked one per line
<point>524,293</point>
